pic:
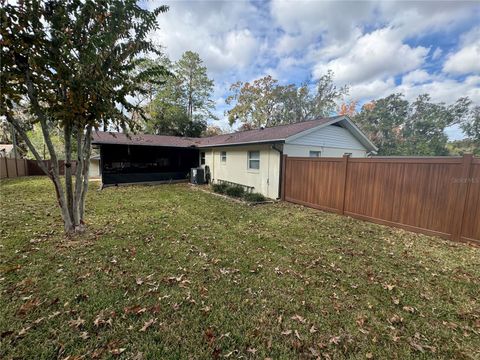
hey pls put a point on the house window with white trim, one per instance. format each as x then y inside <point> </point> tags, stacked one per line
<point>223,156</point>
<point>202,158</point>
<point>254,160</point>
<point>315,153</point>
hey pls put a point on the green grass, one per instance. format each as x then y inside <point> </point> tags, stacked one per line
<point>222,279</point>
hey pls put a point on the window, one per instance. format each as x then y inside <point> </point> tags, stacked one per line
<point>347,154</point>
<point>202,158</point>
<point>254,160</point>
<point>223,156</point>
<point>315,153</point>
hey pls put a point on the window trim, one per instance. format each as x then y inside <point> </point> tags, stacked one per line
<point>318,152</point>
<point>249,160</point>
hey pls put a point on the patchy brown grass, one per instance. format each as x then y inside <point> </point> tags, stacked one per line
<point>169,272</point>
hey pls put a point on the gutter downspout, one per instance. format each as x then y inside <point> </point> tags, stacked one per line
<point>273,147</point>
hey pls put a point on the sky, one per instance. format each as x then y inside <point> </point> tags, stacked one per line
<point>375,47</point>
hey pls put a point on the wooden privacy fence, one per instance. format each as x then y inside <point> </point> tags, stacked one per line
<point>12,168</point>
<point>436,196</point>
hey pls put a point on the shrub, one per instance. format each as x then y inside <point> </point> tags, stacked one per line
<point>219,188</point>
<point>235,191</point>
<point>254,197</point>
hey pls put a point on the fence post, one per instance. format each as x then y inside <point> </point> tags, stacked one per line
<point>284,175</point>
<point>464,183</point>
<point>344,184</point>
<point>6,166</point>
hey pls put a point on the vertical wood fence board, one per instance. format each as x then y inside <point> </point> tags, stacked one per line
<point>11,168</point>
<point>471,219</point>
<point>3,168</point>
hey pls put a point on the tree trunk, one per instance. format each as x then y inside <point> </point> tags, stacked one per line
<point>68,226</point>
<point>68,168</point>
<point>78,180</point>
<point>86,167</point>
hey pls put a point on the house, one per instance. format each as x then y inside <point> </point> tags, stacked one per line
<point>250,158</point>
<point>6,151</point>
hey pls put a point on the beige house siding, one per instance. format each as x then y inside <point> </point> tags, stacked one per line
<point>235,169</point>
<point>94,169</point>
<point>304,151</point>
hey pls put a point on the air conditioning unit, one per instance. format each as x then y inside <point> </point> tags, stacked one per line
<point>197,176</point>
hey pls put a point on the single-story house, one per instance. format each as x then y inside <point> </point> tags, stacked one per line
<point>251,158</point>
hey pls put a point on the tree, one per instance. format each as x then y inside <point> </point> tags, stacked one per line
<point>212,130</point>
<point>424,128</point>
<point>382,121</point>
<point>266,103</point>
<point>348,108</point>
<point>398,127</point>
<point>183,102</point>
<point>257,103</point>
<point>74,65</point>
<point>471,127</point>
<point>196,88</point>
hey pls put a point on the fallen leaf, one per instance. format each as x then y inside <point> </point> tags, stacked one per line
<point>298,318</point>
<point>77,322</point>
<point>148,324</point>
<point>28,306</point>
<point>313,330</point>
<point>117,351</point>
<point>286,332</point>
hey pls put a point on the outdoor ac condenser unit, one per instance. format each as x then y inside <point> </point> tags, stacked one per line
<point>197,176</point>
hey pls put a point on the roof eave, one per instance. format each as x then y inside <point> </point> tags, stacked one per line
<point>243,143</point>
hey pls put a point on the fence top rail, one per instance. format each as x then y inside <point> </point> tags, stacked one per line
<point>476,160</point>
<point>332,159</point>
<point>410,160</point>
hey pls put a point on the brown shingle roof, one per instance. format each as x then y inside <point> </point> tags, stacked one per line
<point>100,137</point>
<point>262,135</point>
<point>276,133</point>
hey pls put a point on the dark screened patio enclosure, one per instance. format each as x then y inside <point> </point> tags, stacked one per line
<point>122,164</point>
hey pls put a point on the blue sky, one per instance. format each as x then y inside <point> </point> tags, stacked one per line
<point>375,47</point>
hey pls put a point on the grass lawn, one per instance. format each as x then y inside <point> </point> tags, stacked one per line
<point>170,272</point>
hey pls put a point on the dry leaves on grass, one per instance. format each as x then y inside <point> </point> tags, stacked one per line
<point>147,324</point>
<point>77,323</point>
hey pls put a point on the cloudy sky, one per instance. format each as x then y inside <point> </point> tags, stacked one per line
<point>376,47</point>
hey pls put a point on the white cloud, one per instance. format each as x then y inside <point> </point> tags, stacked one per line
<point>378,54</point>
<point>219,31</point>
<point>441,89</point>
<point>372,89</point>
<point>467,59</point>
<point>416,77</point>
<point>338,18</point>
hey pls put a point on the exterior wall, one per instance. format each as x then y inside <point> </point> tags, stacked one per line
<point>332,141</point>
<point>94,169</point>
<point>304,151</point>
<point>235,169</point>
